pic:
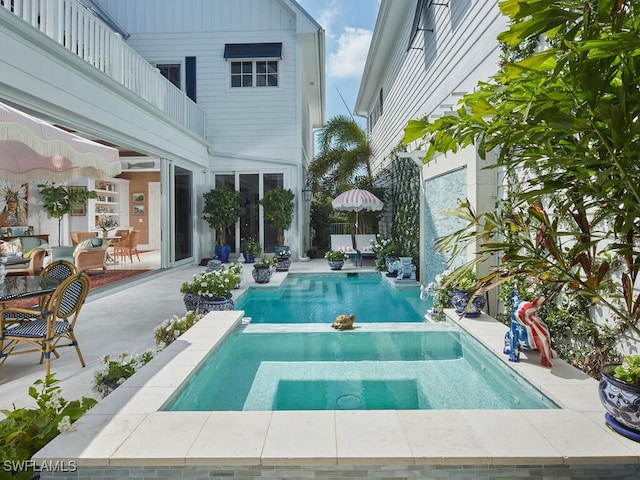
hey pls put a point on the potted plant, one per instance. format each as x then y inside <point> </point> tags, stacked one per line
<point>60,200</point>
<point>252,249</point>
<point>278,210</point>
<point>114,370</point>
<point>221,211</point>
<point>209,291</point>
<point>262,270</point>
<point>282,260</point>
<point>462,284</point>
<point>619,391</point>
<point>336,259</point>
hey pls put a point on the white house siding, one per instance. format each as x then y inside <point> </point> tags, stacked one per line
<point>245,121</point>
<point>429,79</point>
<point>460,51</point>
<point>251,130</point>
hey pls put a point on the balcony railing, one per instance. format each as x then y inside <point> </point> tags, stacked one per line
<point>73,26</point>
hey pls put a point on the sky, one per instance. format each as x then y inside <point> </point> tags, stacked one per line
<point>348,26</point>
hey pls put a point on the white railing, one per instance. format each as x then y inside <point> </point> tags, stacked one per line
<point>71,25</point>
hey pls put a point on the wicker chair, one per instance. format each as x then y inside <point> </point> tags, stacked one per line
<point>48,327</point>
<point>77,237</point>
<point>128,246</point>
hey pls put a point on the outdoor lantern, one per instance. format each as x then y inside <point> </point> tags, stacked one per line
<point>307,193</point>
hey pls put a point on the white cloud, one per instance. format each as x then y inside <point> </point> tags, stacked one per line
<point>326,16</point>
<point>351,54</point>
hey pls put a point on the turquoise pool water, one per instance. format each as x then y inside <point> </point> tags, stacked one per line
<point>440,368</point>
<point>319,298</point>
<point>403,363</point>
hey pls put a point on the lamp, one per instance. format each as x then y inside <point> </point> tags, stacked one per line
<point>307,193</point>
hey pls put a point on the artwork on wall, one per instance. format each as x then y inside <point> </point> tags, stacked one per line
<point>138,197</point>
<point>14,204</point>
<point>79,209</point>
<point>138,209</point>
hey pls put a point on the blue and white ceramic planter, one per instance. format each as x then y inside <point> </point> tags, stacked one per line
<point>206,305</point>
<point>460,300</point>
<point>621,400</point>
<point>261,274</point>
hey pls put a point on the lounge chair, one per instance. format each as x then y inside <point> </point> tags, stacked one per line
<point>363,244</point>
<point>344,243</point>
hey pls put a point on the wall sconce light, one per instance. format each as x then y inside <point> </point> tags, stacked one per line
<point>307,193</point>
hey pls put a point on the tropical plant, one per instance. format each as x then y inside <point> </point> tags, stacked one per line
<point>59,200</point>
<point>278,210</point>
<point>26,430</point>
<point>567,140</point>
<point>221,210</point>
<point>335,256</point>
<point>344,152</point>
<point>213,284</point>
<point>114,370</point>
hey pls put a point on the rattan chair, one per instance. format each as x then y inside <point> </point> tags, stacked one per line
<point>59,269</point>
<point>48,327</point>
<point>128,246</point>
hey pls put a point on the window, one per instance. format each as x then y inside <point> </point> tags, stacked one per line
<point>171,71</point>
<point>255,73</point>
<point>253,64</point>
<point>376,112</point>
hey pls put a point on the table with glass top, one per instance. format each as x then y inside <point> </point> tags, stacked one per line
<point>19,287</point>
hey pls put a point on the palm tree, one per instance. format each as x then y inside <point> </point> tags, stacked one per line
<point>344,153</point>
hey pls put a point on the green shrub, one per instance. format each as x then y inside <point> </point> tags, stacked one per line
<point>25,430</point>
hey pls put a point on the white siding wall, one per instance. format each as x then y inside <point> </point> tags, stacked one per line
<point>251,122</point>
<point>461,50</point>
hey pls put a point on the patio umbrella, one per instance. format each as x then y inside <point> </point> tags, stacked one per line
<point>356,200</point>
<point>34,150</point>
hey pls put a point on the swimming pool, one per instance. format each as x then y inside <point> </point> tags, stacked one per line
<point>319,298</point>
<point>435,367</point>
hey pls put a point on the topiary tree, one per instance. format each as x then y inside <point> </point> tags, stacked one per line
<point>278,210</point>
<point>59,200</point>
<point>221,210</point>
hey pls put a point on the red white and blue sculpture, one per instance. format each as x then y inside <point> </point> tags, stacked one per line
<point>528,331</point>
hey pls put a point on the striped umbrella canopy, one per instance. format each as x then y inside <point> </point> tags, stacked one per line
<point>357,200</point>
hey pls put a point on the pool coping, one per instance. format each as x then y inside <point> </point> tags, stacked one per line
<point>126,428</point>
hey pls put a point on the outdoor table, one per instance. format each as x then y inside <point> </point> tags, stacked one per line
<point>26,286</point>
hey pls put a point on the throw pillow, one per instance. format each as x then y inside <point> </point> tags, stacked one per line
<point>12,247</point>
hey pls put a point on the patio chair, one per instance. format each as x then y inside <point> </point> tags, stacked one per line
<point>128,246</point>
<point>48,327</point>
<point>77,237</point>
<point>59,269</point>
<point>363,244</point>
<point>344,243</point>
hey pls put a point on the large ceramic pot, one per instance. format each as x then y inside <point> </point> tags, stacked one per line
<point>205,305</point>
<point>222,252</point>
<point>621,401</point>
<point>335,264</point>
<point>261,274</point>
<point>283,264</point>
<point>460,300</point>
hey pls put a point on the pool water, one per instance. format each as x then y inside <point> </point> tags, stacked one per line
<point>320,298</point>
<point>437,367</point>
